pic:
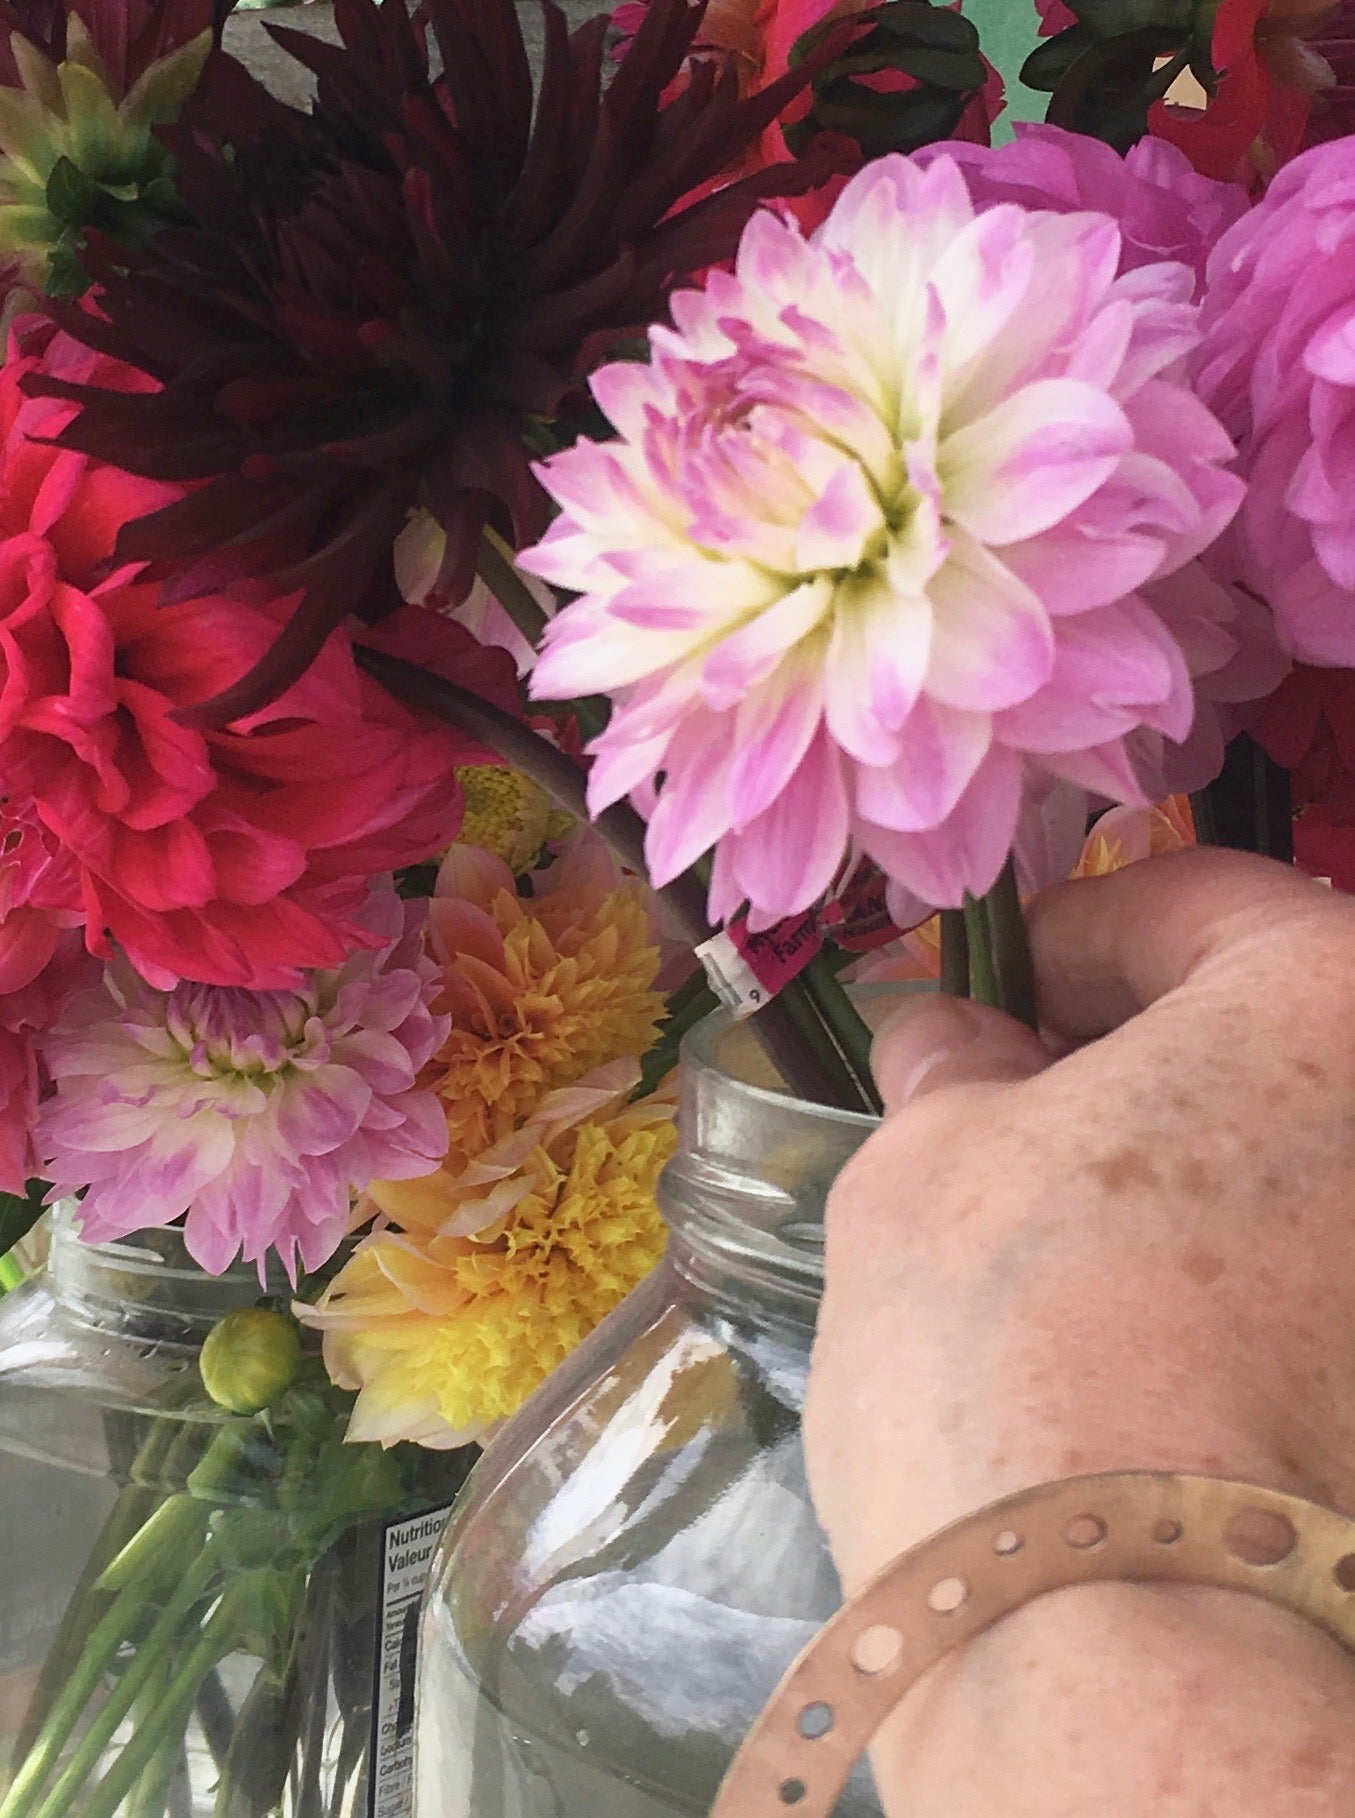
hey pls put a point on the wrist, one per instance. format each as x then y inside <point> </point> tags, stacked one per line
<point>896,1504</point>
<point>1151,1701</point>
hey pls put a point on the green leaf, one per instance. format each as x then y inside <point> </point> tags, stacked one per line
<point>1117,18</point>
<point>692,1000</point>
<point>1049,63</point>
<point>18,1216</point>
<point>71,196</point>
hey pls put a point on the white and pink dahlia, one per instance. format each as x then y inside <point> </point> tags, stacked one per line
<point>872,561</point>
<point>254,1115</point>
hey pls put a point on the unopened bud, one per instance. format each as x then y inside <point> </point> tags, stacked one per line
<point>249,1358</point>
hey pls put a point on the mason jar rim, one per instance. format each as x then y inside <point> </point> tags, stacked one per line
<point>146,1273</point>
<point>744,1194</point>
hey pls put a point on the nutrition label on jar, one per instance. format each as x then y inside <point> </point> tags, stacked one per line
<point>406,1553</point>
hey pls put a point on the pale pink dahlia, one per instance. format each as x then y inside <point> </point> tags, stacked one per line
<point>254,1115</point>
<point>870,560</point>
<point>1277,364</point>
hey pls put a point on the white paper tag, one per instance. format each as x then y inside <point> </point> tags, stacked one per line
<point>731,978</point>
<point>406,1553</point>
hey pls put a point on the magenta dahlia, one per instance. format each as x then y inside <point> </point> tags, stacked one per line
<point>1277,365</point>
<point>1162,205</point>
<point>235,856</point>
<point>42,960</point>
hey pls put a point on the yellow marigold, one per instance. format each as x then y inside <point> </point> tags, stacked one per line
<point>540,990</point>
<point>444,1335</point>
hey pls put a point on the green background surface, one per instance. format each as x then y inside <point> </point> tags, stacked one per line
<point>1008,29</point>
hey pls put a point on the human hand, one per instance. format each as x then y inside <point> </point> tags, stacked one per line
<point>1138,1255</point>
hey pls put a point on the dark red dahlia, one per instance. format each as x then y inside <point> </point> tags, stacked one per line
<point>1308,728</point>
<point>405,315</point>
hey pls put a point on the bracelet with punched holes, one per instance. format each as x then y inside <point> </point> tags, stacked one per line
<point>1134,1526</point>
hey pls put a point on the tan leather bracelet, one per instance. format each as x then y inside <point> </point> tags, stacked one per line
<point>1135,1526</point>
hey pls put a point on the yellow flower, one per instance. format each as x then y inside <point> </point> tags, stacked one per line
<point>507,813</point>
<point>1125,835</point>
<point>541,991</point>
<point>444,1335</point>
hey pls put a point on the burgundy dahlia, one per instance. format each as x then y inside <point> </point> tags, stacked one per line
<point>405,315</point>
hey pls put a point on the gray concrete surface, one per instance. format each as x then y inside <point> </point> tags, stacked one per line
<point>247,38</point>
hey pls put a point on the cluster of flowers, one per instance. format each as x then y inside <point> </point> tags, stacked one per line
<point>944,497</point>
<point>482,1276</point>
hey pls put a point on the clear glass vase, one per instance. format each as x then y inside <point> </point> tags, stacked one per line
<point>635,1560</point>
<point>201,1615</point>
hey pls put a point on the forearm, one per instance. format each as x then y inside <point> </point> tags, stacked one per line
<point>1119,1701</point>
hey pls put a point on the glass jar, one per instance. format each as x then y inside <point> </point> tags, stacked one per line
<point>198,1611</point>
<point>635,1560</point>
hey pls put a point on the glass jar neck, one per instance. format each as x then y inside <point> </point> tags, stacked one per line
<point>744,1196</point>
<point>145,1285</point>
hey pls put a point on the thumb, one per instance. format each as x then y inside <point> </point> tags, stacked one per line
<point>950,1042</point>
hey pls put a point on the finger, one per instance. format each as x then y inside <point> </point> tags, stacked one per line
<point>1107,948</point>
<point>948,1042</point>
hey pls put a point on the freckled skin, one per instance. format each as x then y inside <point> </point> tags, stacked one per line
<point>1136,1256</point>
<point>1192,1179</point>
<point>1202,1266</point>
<point>1124,1171</point>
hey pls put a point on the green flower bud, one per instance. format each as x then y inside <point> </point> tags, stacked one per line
<point>249,1359</point>
<point>74,155</point>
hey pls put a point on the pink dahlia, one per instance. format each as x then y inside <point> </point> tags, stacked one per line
<point>234,856</point>
<point>875,555</point>
<point>1277,364</point>
<point>255,1116</point>
<point>1163,207</point>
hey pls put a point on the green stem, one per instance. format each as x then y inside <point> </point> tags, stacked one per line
<point>11,1272</point>
<point>500,574</point>
<point>954,954</point>
<point>799,1047</point>
<point>1012,962</point>
<point>978,939</point>
<point>846,1027</point>
<point>1202,814</point>
<point>171,1535</point>
<point>151,1652</point>
<point>148,1795</point>
<point>98,1654</point>
<point>218,1638</point>
<point>136,1503</point>
<point>1000,971</point>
